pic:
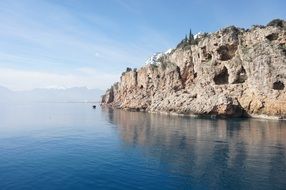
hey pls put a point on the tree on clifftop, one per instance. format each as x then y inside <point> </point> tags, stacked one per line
<point>191,38</point>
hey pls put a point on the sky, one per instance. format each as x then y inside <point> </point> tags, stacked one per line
<point>69,43</point>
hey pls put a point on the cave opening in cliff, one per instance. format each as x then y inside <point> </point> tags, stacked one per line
<point>208,56</point>
<point>222,77</point>
<point>272,37</point>
<point>226,52</point>
<point>241,76</point>
<point>195,75</point>
<point>278,85</point>
<point>284,50</point>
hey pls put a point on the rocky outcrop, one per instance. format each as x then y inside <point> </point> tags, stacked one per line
<point>234,72</point>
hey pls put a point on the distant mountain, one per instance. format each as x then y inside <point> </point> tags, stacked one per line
<point>76,94</point>
<point>6,94</point>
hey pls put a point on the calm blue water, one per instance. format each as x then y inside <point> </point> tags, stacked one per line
<point>71,146</point>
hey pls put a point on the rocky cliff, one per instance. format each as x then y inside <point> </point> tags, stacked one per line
<point>233,72</point>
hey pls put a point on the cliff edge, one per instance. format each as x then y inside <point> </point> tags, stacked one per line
<point>233,72</point>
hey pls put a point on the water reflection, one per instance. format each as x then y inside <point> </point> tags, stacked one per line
<point>233,154</point>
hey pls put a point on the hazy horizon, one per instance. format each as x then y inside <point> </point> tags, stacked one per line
<point>50,88</point>
<point>73,94</point>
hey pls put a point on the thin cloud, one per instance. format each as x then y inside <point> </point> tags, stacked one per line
<point>88,71</point>
<point>129,6</point>
<point>46,36</point>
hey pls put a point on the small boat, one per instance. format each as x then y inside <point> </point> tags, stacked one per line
<point>94,106</point>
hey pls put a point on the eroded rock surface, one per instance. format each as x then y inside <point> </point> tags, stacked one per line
<point>230,73</point>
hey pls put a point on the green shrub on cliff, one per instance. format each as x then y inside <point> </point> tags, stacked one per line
<point>187,41</point>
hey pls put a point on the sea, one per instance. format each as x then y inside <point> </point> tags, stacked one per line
<point>66,146</point>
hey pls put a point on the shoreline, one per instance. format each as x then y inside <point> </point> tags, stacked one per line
<point>200,116</point>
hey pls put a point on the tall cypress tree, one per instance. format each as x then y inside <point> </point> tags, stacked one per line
<point>186,38</point>
<point>191,37</point>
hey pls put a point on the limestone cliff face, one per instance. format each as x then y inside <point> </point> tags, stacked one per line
<point>230,73</point>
